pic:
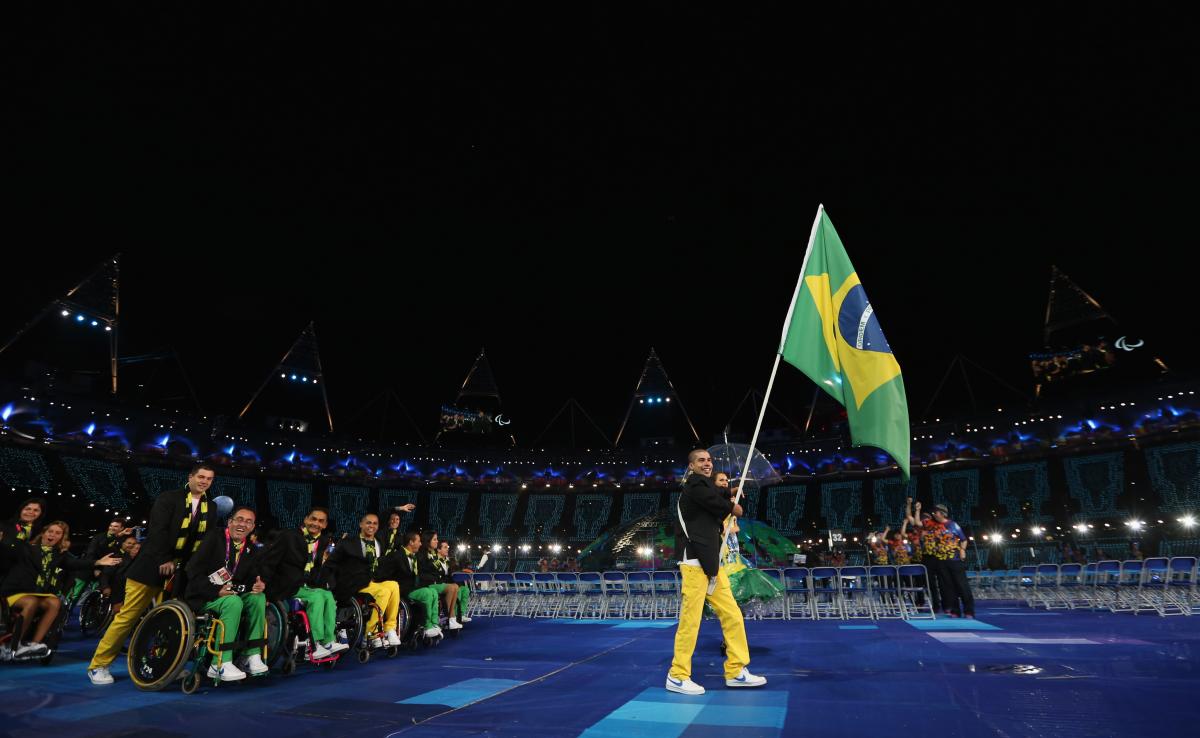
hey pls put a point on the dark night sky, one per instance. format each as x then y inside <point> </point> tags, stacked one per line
<point>570,186</point>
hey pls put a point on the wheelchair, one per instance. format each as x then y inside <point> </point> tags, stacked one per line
<point>10,626</point>
<point>172,643</point>
<point>290,638</point>
<point>352,617</point>
<point>92,587</point>
<point>412,618</point>
<point>95,612</point>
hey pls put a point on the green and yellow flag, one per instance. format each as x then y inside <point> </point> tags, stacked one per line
<point>833,336</point>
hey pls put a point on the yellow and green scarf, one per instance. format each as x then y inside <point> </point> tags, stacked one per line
<point>187,523</point>
<point>45,576</point>
<point>311,546</point>
<point>369,553</point>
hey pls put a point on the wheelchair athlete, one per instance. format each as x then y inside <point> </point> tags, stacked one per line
<point>108,542</point>
<point>433,573</point>
<point>31,589</point>
<point>98,607</point>
<point>449,567</point>
<point>355,566</point>
<point>404,568</point>
<point>296,562</point>
<point>224,577</point>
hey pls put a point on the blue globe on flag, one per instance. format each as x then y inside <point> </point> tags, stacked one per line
<point>858,324</point>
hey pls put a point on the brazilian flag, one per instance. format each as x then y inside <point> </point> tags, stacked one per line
<point>832,335</point>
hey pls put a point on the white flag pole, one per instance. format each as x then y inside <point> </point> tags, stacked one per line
<point>787,324</point>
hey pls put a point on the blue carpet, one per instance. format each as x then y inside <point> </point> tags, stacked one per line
<point>1077,673</point>
<point>462,693</point>
<point>950,624</point>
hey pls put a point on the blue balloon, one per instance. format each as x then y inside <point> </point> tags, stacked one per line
<point>224,505</point>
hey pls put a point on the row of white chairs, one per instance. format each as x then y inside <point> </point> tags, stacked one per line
<point>1167,586</point>
<point>644,595</point>
<point>858,592</point>
<point>817,593</point>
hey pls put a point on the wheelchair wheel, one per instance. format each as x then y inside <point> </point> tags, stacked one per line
<point>161,645</point>
<point>289,667</point>
<point>368,609</point>
<point>69,603</point>
<point>404,620</point>
<point>190,683</point>
<point>392,651</point>
<point>364,655</point>
<point>411,625</point>
<point>93,611</point>
<point>277,633</point>
<point>350,619</point>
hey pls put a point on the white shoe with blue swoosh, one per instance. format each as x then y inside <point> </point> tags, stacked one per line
<point>746,679</point>
<point>683,686</point>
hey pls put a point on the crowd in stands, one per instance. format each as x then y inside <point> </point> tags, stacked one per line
<point>568,564</point>
<point>1053,367</point>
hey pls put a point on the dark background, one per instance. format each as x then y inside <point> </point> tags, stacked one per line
<point>569,185</point>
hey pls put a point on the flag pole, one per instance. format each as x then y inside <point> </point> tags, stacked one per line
<point>787,323</point>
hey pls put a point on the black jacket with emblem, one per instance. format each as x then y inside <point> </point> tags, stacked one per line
<point>701,513</point>
<point>163,532</point>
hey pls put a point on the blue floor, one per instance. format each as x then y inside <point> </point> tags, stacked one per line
<point>1014,672</point>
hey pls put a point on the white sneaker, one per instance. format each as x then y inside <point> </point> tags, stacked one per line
<point>227,673</point>
<point>320,652</point>
<point>453,625</point>
<point>336,647</point>
<point>464,619</point>
<point>343,635</point>
<point>392,639</point>
<point>433,632</point>
<point>100,675</point>
<point>746,679</point>
<point>683,686</point>
<point>376,643</point>
<point>31,649</point>
<point>254,665</point>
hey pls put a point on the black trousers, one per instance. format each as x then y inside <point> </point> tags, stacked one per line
<point>956,574</point>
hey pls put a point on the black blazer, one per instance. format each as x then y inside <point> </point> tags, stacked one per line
<point>163,531</point>
<point>285,560</point>
<point>702,510</point>
<point>12,526</point>
<point>8,532</point>
<point>429,571</point>
<point>392,540</point>
<point>211,557</point>
<point>397,569</point>
<point>102,545</point>
<point>349,567</point>
<point>27,564</point>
